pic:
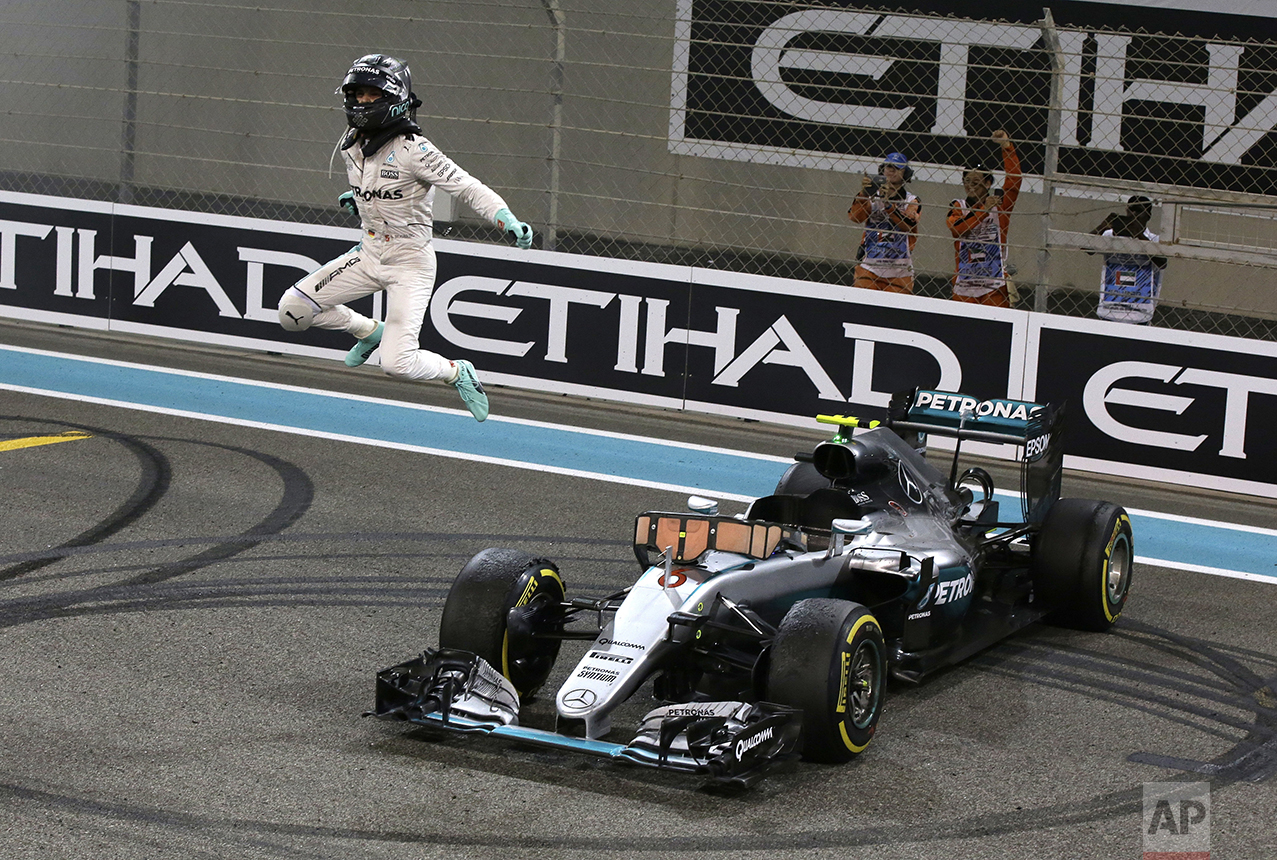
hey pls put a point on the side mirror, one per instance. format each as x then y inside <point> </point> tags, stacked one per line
<point>839,530</point>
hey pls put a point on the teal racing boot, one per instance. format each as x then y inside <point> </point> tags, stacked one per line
<point>471,390</point>
<point>360,352</point>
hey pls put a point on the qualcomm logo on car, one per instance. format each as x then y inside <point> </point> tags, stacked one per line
<point>744,745</point>
<point>604,642</point>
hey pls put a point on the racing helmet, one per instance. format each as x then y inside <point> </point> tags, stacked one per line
<point>387,74</point>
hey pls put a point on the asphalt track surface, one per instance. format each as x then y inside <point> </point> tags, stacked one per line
<point>192,613</point>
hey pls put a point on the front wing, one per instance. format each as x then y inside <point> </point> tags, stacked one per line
<point>728,742</point>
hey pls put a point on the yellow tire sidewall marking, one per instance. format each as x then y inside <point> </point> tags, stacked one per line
<point>842,724</point>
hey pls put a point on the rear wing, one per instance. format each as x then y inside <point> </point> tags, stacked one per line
<point>946,413</point>
<point>1036,428</point>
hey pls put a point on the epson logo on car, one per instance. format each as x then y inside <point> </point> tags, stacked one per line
<point>744,745</point>
<point>1037,446</point>
<point>954,589</point>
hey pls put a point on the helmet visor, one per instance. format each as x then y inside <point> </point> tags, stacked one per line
<point>371,76</point>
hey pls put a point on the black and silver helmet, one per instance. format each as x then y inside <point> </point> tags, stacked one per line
<point>387,74</point>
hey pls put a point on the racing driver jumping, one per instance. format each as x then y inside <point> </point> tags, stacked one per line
<point>393,171</point>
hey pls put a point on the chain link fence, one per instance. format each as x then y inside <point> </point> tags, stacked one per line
<point>730,134</point>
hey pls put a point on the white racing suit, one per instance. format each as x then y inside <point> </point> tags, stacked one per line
<point>395,189</point>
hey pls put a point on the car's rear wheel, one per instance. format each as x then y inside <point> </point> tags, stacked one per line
<point>1082,562</point>
<point>829,659</point>
<point>498,604</point>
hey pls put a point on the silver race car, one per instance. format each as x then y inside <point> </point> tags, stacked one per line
<point>772,634</point>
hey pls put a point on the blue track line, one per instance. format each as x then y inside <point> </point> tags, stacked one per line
<point>1179,542</point>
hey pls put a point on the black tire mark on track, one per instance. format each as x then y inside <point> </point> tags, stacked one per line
<point>151,486</point>
<point>344,537</point>
<point>1112,805</point>
<point>145,589</point>
<point>1255,758</point>
<point>1254,761</point>
<point>295,501</point>
<point>1075,670</point>
<point>156,479</point>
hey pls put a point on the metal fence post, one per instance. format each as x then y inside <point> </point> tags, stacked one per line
<point>128,133</point>
<point>1050,159</point>
<point>549,235</point>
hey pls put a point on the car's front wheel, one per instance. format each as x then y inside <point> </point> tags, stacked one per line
<point>1082,562</point>
<point>830,660</point>
<point>501,600</point>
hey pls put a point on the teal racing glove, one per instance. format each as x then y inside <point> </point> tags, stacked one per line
<point>347,202</point>
<point>522,233</point>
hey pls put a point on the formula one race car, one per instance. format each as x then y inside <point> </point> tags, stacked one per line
<point>773,633</point>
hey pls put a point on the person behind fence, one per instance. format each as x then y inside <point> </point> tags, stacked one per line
<point>393,172</point>
<point>890,214</point>
<point>1130,284</point>
<point>979,224</point>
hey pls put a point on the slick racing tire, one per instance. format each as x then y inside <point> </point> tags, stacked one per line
<point>500,599</point>
<point>829,659</point>
<point>800,479</point>
<point>1082,562</point>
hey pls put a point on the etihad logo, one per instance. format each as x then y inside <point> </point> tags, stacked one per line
<point>1149,395</point>
<point>786,77</point>
<point>645,333</point>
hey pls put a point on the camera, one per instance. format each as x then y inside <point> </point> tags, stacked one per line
<point>876,183</point>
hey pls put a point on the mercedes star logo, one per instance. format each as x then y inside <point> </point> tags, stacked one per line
<point>578,700</point>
